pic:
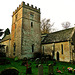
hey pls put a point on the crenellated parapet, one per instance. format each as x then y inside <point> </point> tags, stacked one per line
<point>26,6</point>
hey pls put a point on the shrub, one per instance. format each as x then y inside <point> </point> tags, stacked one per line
<point>2,54</point>
<point>37,55</point>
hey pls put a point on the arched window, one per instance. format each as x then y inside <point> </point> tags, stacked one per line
<point>32,47</point>
<point>14,47</point>
<point>62,48</point>
<point>32,24</point>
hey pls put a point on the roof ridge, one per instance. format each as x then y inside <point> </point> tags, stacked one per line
<point>62,30</point>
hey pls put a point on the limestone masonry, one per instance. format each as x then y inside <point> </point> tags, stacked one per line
<point>26,38</point>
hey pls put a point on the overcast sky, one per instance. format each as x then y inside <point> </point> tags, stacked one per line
<point>57,10</point>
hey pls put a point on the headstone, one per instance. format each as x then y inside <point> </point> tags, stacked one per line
<point>24,61</point>
<point>4,61</point>
<point>28,69</point>
<point>9,71</point>
<point>50,69</point>
<point>54,63</point>
<point>31,59</point>
<point>63,68</point>
<point>42,60</point>
<point>37,60</point>
<point>46,60</point>
<point>40,69</point>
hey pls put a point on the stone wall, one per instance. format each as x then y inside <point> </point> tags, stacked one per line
<point>7,47</point>
<point>16,33</point>
<point>66,50</point>
<point>30,35</point>
<point>22,34</point>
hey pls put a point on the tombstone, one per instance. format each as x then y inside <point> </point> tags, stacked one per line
<point>37,60</point>
<point>9,71</point>
<point>50,69</point>
<point>63,68</point>
<point>31,59</point>
<point>24,61</point>
<point>46,60</point>
<point>42,60</point>
<point>54,63</point>
<point>4,61</point>
<point>40,69</point>
<point>28,69</point>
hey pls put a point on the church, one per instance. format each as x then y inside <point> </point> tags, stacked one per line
<point>26,38</point>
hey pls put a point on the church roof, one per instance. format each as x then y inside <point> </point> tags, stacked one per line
<point>7,37</point>
<point>63,35</point>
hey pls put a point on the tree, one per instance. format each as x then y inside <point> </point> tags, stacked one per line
<point>1,33</point>
<point>46,26</point>
<point>66,25</point>
<point>6,32</point>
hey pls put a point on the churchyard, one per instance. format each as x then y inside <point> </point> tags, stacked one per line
<point>37,66</point>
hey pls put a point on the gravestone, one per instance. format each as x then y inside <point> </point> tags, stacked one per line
<point>9,71</point>
<point>46,60</point>
<point>40,69</point>
<point>54,63</point>
<point>29,70</point>
<point>4,61</point>
<point>50,69</point>
<point>63,69</point>
<point>37,60</point>
<point>31,59</point>
<point>42,60</point>
<point>24,61</point>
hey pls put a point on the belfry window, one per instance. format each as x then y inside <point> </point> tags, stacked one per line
<point>32,47</point>
<point>32,24</point>
<point>31,16</point>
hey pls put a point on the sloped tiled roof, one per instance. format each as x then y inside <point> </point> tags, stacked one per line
<point>7,37</point>
<point>62,35</point>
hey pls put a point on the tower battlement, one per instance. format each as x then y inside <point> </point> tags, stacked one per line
<point>26,6</point>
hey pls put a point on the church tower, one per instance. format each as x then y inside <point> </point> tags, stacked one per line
<point>25,33</point>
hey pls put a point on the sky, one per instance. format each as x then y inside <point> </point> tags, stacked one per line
<point>57,11</point>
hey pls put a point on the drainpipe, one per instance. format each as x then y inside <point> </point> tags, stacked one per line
<point>70,50</point>
<point>54,50</point>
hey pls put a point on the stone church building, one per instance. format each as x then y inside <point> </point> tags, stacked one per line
<point>26,39</point>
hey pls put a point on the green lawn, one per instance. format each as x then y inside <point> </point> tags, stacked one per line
<point>22,69</point>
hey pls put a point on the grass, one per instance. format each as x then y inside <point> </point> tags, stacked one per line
<point>22,69</point>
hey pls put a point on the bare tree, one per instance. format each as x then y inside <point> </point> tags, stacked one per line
<point>46,26</point>
<point>1,33</point>
<point>66,25</point>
